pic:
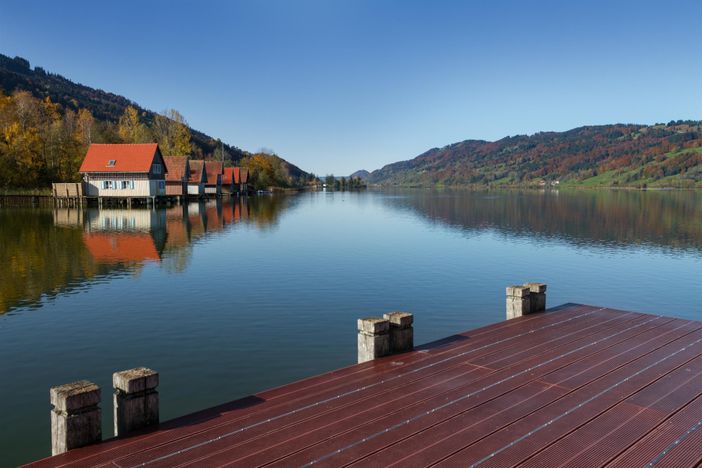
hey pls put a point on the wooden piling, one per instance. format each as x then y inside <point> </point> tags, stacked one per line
<point>136,402</point>
<point>401,331</point>
<point>76,419</point>
<point>537,297</point>
<point>373,338</point>
<point>518,301</point>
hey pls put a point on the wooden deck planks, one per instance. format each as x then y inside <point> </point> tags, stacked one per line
<point>581,386</point>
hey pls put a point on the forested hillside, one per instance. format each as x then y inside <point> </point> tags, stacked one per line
<point>662,155</point>
<point>48,121</point>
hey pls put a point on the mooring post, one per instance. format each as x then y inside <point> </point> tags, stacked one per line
<point>373,338</point>
<point>537,297</point>
<point>135,399</point>
<point>518,301</point>
<point>401,331</point>
<point>76,419</point>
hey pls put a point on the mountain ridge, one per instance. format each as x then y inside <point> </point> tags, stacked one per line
<point>593,155</point>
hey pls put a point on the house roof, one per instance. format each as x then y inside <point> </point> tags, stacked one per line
<point>244,175</point>
<point>237,172</point>
<point>176,167</point>
<point>119,157</point>
<point>228,176</point>
<point>213,168</point>
<point>196,170</point>
<point>121,247</point>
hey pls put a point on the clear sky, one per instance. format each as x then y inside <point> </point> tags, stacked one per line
<point>336,86</point>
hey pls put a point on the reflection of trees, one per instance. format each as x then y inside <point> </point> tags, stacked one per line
<point>265,211</point>
<point>39,258</point>
<point>46,252</point>
<point>614,218</point>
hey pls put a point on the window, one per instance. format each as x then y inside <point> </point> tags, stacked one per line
<point>156,168</point>
<point>161,184</point>
<point>108,184</point>
<point>111,163</point>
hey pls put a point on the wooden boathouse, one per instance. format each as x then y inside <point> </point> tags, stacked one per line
<point>575,385</point>
<point>124,171</point>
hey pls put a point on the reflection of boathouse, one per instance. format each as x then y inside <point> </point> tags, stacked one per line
<point>121,247</point>
<point>124,220</point>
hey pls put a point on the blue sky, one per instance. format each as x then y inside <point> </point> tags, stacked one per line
<point>336,86</point>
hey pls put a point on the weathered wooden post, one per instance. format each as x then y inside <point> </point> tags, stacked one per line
<point>135,399</point>
<point>518,301</point>
<point>373,338</point>
<point>76,419</point>
<point>401,331</point>
<point>537,296</point>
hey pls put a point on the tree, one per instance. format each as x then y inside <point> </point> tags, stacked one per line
<point>330,180</point>
<point>85,126</point>
<point>172,133</point>
<point>130,127</point>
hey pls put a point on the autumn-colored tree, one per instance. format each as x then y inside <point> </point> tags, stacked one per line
<point>172,133</point>
<point>131,129</point>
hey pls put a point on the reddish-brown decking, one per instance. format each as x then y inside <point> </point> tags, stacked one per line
<point>577,385</point>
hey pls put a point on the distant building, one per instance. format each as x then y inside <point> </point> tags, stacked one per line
<point>124,170</point>
<point>235,180</point>
<point>177,175</point>
<point>213,185</point>
<point>241,178</point>
<point>228,186</point>
<point>197,179</point>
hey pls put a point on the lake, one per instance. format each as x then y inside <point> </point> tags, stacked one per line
<point>228,298</point>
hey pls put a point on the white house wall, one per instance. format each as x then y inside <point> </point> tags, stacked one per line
<point>195,189</point>
<point>142,188</point>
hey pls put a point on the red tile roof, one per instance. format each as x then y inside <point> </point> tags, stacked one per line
<point>228,176</point>
<point>176,167</point>
<point>237,171</point>
<point>213,168</point>
<point>244,177</point>
<point>119,158</point>
<point>196,170</point>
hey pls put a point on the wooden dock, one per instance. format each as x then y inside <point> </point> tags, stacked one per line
<point>574,386</point>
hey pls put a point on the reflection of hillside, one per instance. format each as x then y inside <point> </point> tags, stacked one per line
<point>46,252</point>
<point>40,258</point>
<point>613,218</point>
<point>264,212</point>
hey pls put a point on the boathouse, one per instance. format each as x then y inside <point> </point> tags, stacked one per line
<point>228,186</point>
<point>242,179</point>
<point>177,175</point>
<point>124,171</point>
<point>235,180</point>
<point>197,178</point>
<point>213,185</point>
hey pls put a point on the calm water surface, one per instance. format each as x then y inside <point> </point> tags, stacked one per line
<point>226,299</point>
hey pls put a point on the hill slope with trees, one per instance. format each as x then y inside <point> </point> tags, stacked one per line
<point>47,121</point>
<point>661,155</point>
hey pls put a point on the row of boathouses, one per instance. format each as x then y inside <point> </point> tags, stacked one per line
<point>141,171</point>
